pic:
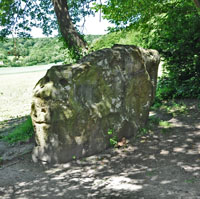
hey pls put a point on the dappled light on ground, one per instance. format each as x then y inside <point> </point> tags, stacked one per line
<point>163,164</point>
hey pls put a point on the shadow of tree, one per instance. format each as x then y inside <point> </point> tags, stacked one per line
<point>154,166</point>
<point>15,150</point>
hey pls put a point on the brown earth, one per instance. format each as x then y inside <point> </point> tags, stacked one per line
<point>163,163</point>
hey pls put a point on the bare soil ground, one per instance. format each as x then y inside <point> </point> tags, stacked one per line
<point>165,163</point>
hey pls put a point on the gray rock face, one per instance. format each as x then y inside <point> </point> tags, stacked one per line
<point>75,106</point>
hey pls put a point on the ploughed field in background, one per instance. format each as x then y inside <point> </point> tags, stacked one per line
<point>16,85</point>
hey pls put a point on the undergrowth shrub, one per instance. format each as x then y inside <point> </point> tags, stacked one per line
<point>175,34</point>
<point>22,132</point>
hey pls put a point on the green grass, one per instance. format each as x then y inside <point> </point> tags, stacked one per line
<point>173,108</point>
<point>151,173</point>
<point>143,132</point>
<point>177,109</point>
<point>190,180</point>
<point>164,124</point>
<point>22,132</point>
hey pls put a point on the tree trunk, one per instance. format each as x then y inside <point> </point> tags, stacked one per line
<point>197,3</point>
<point>67,29</point>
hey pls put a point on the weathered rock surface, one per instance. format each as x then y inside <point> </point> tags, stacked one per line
<point>74,106</point>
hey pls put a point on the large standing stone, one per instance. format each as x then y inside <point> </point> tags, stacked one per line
<point>74,106</point>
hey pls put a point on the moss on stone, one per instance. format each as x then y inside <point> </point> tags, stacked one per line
<point>108,89</point>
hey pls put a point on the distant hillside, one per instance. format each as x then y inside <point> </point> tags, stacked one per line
<point>27,52</point>
<point>33,51</point>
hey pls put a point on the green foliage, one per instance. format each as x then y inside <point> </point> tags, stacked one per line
<point>28,52</point>
<point>151,173</point>
<point>23,132</point>
<point>164,124</point>
<point>1,159</point>
<point>33,51</point>
<point>79,9</point>
<point>157,104</point>
<point>91,38</point>
<point>113,139</point>
<point>164,89</point>
<point>126,36</point>
<point>171,27</point>
<point>179,44</point>
<point>192,180</point>
<point>110,132</point>
<point>171,109</point>
<point>142,132</point>
<point>19,17</point>
<point>177,108</point>
<point>154,120</point>
<point>174,108</point>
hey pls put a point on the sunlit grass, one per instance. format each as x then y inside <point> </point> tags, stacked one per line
<point>164,124</point>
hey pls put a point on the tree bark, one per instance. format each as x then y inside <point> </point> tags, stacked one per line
<point>197,3</point>
<point>67,29</point>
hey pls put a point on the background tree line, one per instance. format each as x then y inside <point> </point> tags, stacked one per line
<point>28,52</point>
<point>170,26</point>
<point>18,52</point>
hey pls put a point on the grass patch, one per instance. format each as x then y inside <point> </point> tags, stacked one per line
<point>3,122</point>
<point>153,121</point>
<point>151,173</point>
<point>143,133</point>
<point>173,108</point>
<point>22,132</point>
<point>164,124</point>
<point>170,107</point>
<point>177,109</point>
<point>156,106</point>
<point>190,180</point>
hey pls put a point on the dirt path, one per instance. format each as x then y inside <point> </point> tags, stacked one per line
<point>165,163</point>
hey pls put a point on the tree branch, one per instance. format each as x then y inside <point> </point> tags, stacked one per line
<point>67,29</point>
<point>197,3</point>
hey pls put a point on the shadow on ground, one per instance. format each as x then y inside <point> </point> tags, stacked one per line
<point>12,151</point>
<point>8,125</point>
<point>162,164</point>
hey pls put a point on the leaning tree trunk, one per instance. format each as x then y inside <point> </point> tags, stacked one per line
<point>197,3</point>
<point>67,29</point>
